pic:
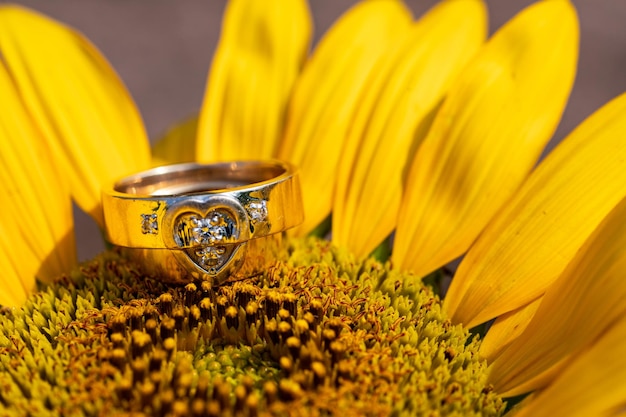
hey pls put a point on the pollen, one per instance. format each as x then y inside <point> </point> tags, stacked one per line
<point>319,333</point>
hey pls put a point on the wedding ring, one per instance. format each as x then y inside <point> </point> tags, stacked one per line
<point>214,222</point>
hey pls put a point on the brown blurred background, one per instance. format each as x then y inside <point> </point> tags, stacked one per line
<point>162,50</point>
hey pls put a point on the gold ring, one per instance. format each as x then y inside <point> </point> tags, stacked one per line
<point>214,222</point>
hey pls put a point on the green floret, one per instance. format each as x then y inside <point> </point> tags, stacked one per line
<point>319,333</point>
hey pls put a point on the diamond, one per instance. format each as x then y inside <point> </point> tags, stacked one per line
<point>210,256</point>
<point>257,210</point>
<point>149,224</point>
<point>210,229</point>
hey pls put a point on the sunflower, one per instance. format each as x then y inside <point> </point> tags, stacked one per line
<point>417,129</point>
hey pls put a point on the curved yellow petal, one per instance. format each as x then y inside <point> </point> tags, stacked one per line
<point>576,310</point>
<point>505,329</point>
<point>412,81</point>
<point>529,243</point>
<point>261,51</point>
<point>36,224</point>
<point>487,136</point>
<point>592,385</point>
<point>328,93</point>
<point>76,100</point>
<point>18,264</point>
<point>177,145</point>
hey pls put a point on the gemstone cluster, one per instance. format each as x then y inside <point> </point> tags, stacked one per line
<point>257,210</point>
<point>149,224</point>
<point>210,256</point>
<point>211,229</point>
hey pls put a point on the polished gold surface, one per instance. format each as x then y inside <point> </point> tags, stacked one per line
<point>214,222</point>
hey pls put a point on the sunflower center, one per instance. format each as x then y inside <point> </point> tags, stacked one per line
<point>319,333</point>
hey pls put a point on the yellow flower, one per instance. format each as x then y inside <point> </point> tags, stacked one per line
<point>415,126</point>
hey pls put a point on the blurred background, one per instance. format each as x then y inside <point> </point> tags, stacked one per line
<point>162,50</point>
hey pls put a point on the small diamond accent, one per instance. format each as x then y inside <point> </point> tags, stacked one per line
<point>257,210</point>
<point>210,229</point>
<point>210,256</point>
<point>149,224</point>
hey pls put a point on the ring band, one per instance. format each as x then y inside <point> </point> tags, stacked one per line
<point>203,221</point>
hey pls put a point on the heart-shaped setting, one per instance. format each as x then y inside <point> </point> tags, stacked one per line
<point>208,235</point>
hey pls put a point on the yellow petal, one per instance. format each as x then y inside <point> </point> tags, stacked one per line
<point>177,145</point>
<point>411,83</point>
<point>529,243</point>
<point>506,329</point>
<point>18,265</point>
<point>76,100</point>
<point>592,385</point>
<point>261,51</point>
<point>36,223</point>
<point>328,93</point>
<point>487,136</point>
<point>581,304</point>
